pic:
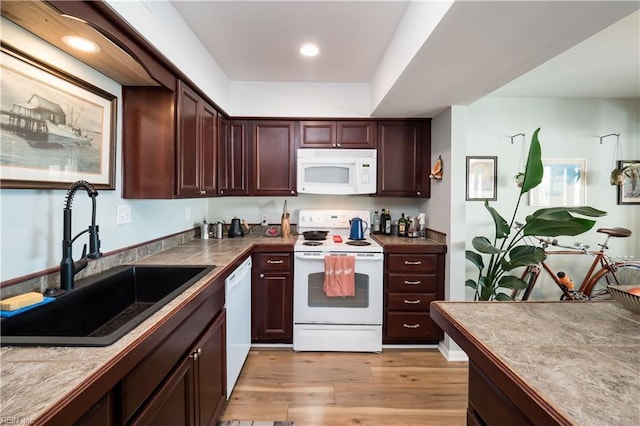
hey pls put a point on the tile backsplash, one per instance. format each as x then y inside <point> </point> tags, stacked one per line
<point>43,281</point>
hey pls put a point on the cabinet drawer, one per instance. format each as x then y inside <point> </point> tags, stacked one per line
<point>409,301</point>
<point>274,262</point>
<point>411,326</point>
<point>424,283</point>
<point>412,262</point>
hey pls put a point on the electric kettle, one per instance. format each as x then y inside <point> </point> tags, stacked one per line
<point>357,231</point>
<point>235,230</point>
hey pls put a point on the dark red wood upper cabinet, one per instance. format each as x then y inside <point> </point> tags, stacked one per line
<point>274,170</point>
<point>404,154</point>
<point>197,137</point>
<point>233,157</point>
<point>337,134</point>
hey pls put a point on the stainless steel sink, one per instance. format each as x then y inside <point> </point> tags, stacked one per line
<point>102,308</point>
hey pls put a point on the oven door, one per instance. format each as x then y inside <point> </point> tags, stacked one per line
<point>312,306</point>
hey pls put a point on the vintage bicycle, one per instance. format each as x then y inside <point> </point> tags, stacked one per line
<point>604,270</point>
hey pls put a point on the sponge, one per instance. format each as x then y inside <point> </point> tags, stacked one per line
<point>17,302</point>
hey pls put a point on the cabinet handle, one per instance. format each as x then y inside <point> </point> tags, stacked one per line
<point>203,192</point>
<point>338,144</point>
<point>222,191</point>
<point>412,282</point>
<point>261,275</point>
<point>275,262</point>
<point>413,262</point>
<point>418,193</point>
<point>411,302</point>
<point>293,192</point>
<point>411,325</point>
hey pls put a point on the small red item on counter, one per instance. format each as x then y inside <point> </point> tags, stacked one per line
<point>337,239</point>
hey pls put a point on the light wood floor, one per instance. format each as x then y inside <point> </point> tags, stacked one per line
<point>396,387</point>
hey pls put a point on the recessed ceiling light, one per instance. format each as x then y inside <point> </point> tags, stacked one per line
<point>309,49</point>
<point>80,43</point>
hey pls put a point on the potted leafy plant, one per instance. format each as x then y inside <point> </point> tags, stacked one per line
<point>506,253</point>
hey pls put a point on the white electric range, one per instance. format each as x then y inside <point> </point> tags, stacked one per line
<point>345,323</point>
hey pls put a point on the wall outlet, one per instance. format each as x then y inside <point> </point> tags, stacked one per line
<point>187,214</point>
<point>123,214</point>
<point>263,221</point>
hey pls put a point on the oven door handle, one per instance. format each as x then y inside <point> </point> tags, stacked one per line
<point>360,257</point>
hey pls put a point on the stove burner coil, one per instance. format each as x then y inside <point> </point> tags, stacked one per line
<point>358,243</point>
<point>312,243</point>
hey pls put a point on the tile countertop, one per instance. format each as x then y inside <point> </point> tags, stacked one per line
<point>401,244</point>
<point>34,379</point>
<point>581,359</point>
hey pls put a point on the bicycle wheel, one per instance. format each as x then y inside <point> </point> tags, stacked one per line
<point>625,274</point>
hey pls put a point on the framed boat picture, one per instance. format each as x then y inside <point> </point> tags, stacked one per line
<point>54,128</point>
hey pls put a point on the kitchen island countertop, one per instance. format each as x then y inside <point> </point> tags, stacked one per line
<point>577,362</point>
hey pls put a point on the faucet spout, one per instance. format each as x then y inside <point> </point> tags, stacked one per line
<point>68,267</point>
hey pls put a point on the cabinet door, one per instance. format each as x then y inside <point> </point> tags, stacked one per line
<point>233,157</point>
<point>188,145</point>
<point>101,414</point>
<point>275,314</point>
<point>272,298</point>
<point>209,149</point>
<point>172,404</point>
<point>356,134</point>
<point>404,149</point>
<point>273,158</point>
<point>148,125</point>
<point>317,134</point>
<point>210,372</point>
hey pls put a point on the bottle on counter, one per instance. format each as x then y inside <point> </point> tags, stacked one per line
<point>376,222</point>
<point>402,226</point>
<point>387,223</point>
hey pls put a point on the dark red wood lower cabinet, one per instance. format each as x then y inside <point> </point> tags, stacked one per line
<point>194,393</point>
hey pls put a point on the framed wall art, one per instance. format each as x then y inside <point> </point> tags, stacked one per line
<point>482,178</point>
<point>629,191</point>
<point>564,183</point>
<point>54,128</point>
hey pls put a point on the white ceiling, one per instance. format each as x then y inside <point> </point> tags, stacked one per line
<point>506,48</point>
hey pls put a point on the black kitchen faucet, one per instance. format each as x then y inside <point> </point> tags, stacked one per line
<point>68,267</point>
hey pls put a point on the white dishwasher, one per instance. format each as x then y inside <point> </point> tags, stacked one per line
<point>238,305</point>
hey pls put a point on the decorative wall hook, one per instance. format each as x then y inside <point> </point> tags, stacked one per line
<point>517,134</point>
<point>617,135</point>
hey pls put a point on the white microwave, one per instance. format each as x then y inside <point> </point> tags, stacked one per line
<point>336,171</point>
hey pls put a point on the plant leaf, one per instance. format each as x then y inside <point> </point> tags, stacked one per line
<point>474,258</point>
<point>553,228</point>
<point>471,283</point>
<point>511,282</point>
<point>522,256</point>
<point>483,245</point>
<point>562,212</point>
<point>501,225</point>
<point>533,170</point>
<point>503,297</point>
